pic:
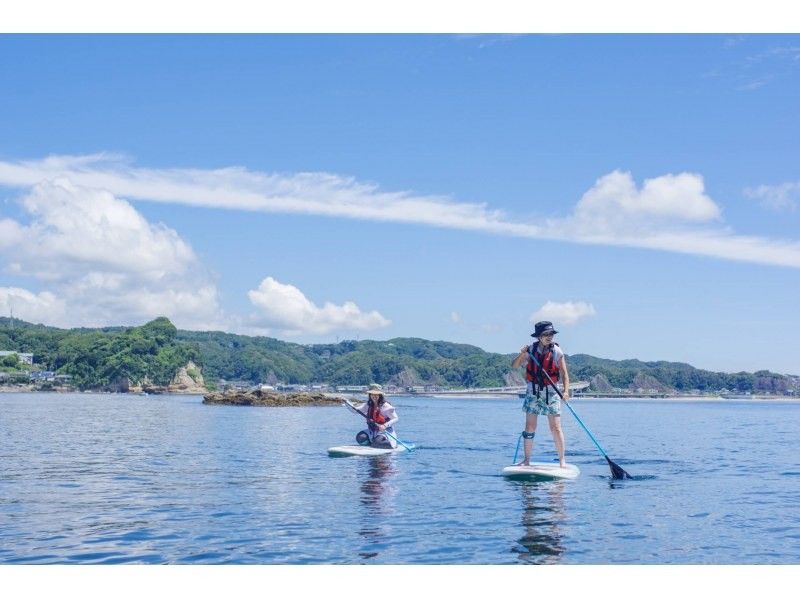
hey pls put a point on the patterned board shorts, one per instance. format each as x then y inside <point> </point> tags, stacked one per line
<point>540,406</point>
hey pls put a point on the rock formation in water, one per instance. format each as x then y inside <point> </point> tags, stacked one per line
<point>268,398</point>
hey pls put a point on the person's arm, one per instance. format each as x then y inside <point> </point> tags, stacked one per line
<point>565,376</point>
<point>391,416</point>
<point>519,359</point>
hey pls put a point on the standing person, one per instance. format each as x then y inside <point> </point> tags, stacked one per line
<point>540,399</point>
<point>381,417</point>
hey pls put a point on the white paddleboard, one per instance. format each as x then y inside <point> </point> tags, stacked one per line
<point>351,450</point>
<point>542,471</point>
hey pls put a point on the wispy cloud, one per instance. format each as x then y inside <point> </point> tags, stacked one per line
<point>772,64</point>
<point>783,197</point>
<point>755,84</point>
<point>669,213</point>
<point>733,41</point>
<point>566,313</point>
<point>284,308</point>
<point>486,40</point>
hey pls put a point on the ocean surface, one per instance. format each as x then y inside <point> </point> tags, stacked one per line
<point>89,478</point>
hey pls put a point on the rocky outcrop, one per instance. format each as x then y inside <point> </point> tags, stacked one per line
<point>514,378</point>
<point>407,377</point>
<point>647,383</point>
<point>268,398</point>
<point>599,383</point>
<point>188,380</point>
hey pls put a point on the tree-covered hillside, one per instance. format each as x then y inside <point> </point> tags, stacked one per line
<point>98,358</point>
<point>101,358</point>
<point>676,376</point>
<point>402,361</point>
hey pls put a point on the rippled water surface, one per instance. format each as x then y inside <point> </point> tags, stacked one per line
<point>165,479</point>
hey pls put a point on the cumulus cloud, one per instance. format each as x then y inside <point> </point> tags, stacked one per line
<point>103,262</point>
<point>784,197</point>
<point>566,313</point>
<point>31,307</point>
<point>75,229</point>
<point>11,233</point>
<point>285,309</point>
<point>614,199</point>
<point>668,213</point>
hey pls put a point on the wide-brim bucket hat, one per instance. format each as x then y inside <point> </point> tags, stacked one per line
<point>541,328</point>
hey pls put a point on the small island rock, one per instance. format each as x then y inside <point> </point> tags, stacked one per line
<point>268,398</point>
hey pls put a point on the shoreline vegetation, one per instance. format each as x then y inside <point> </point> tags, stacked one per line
<point>157,358</point>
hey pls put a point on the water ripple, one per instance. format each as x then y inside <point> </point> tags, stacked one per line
<point>113,479</point>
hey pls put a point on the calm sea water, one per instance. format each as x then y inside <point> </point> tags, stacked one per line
<point>165,479</point>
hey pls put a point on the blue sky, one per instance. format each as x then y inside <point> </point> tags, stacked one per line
<point>640,191</point>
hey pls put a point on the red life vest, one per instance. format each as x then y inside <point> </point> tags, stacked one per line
<point>374,415</point>
<point>533,373</point>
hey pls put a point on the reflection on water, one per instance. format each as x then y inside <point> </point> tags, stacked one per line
<point>113,478</point>
<point>543,513</point>
<point>377,504</point>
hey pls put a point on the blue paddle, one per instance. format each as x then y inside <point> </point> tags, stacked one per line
<point>616,471</point>
<point>352,408</point>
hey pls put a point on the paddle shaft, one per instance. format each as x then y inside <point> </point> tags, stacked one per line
<point>613,465</point>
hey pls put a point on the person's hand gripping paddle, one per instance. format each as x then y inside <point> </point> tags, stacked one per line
<point>352,408</point>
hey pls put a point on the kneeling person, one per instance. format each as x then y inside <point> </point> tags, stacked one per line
<point>381,418</point>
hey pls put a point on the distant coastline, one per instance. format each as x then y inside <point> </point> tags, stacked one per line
<point>157,357</point>
<point>332,398</point>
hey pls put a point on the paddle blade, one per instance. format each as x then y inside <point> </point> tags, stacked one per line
<point>617,472</point>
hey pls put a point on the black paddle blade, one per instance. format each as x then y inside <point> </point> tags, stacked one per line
<point>617,472</point>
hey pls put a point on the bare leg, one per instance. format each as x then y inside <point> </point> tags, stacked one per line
<point>527,443</point>
<point>558,437</point>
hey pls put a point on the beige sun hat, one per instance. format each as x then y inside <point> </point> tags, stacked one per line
<point>375,389</point>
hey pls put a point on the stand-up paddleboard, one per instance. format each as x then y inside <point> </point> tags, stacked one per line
<point>354,450</point>
<point>542,471</point>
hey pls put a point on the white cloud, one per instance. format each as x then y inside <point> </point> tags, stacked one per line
<point>614,202</point>
<point>455,317</point>
<point>11,233</point>
<point>103,263</point>
<point>669,213</point>
<point>566,313</point>
<point>284,308</point>
<point>776,197</point>
<point>31,307</point>
<point>76,229</point>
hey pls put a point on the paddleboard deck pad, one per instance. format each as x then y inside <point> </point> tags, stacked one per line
<point>542,471</point>
<point>353,450</point>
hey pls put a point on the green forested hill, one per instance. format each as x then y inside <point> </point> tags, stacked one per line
<point>675,375</point>
<point>404,361</point>
<point>97,357</point>
<point>100,358</point>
